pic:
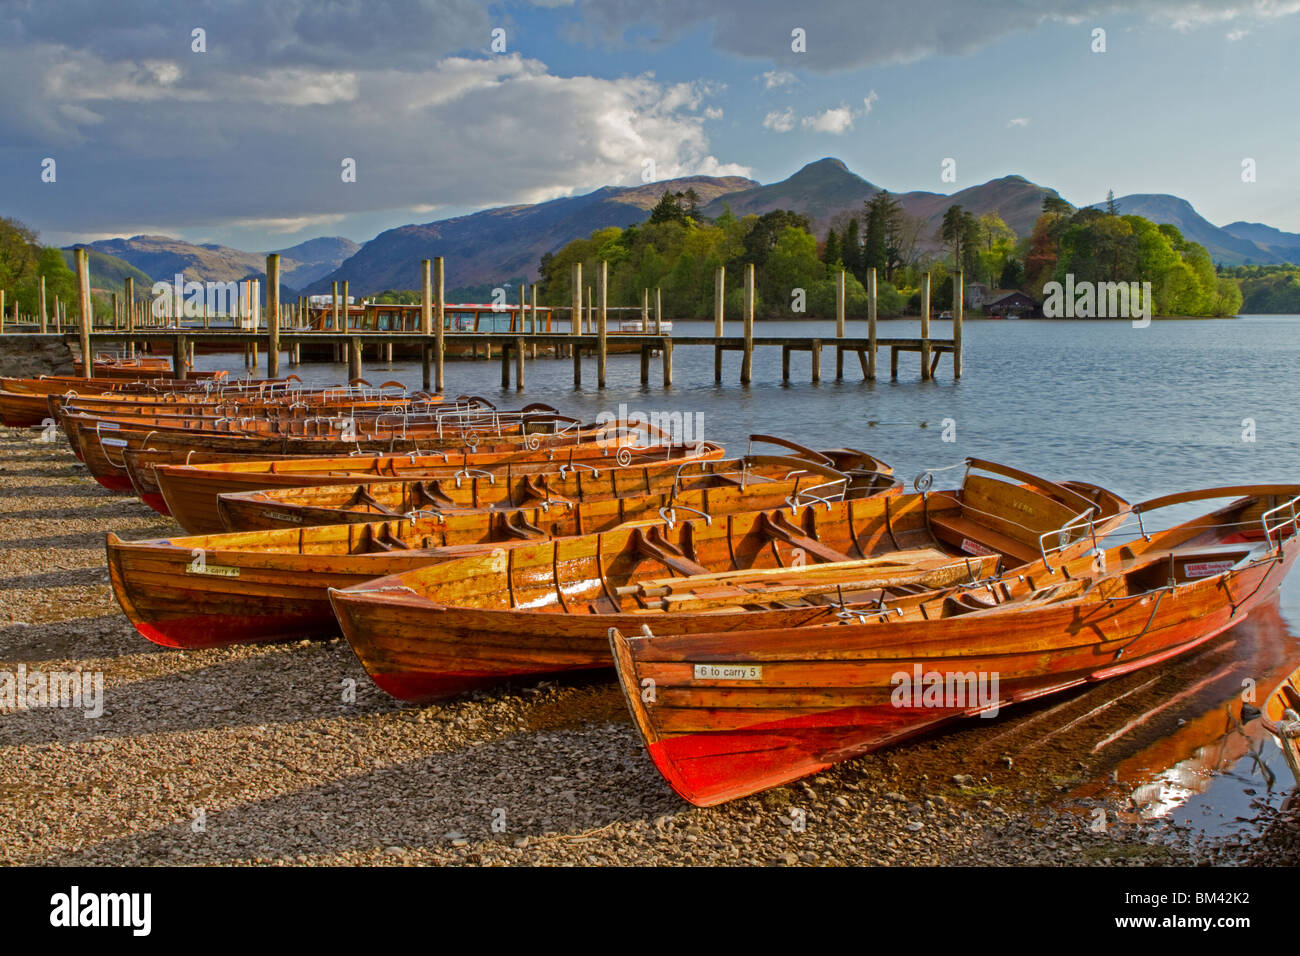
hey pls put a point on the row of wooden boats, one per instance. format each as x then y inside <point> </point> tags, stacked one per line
<point>767,614</point>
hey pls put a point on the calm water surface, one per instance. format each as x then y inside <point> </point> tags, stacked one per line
<point>1141,411</point>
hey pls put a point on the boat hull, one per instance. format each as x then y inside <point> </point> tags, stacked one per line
<point>826,697</point>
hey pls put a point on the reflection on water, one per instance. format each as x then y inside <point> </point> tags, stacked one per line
<point>1141,411</point>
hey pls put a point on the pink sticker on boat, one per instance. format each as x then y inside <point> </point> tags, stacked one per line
<point>1203,569</point>
<point>974,547</point>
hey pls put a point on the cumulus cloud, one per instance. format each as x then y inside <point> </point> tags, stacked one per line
<point>773,79</point>
<point>263,146</point>
<point>835,120</point>
<point>781,121</point>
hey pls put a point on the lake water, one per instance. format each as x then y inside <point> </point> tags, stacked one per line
<point>1142,411</point>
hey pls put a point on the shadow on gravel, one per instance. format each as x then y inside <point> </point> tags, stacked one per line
<point>564,783</point>
<point>81,577</point>
<point>260,686</point>
<point>76,639</point>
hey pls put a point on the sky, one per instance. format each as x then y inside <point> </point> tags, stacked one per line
<point>240,134</point>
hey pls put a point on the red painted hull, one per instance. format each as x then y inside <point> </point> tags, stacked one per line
<point>715,741</point>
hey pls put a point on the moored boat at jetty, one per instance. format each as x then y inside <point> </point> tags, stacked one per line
<point>732,713</point>
<point>546,607</point>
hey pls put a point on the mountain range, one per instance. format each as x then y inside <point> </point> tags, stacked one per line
<point>502,243</point>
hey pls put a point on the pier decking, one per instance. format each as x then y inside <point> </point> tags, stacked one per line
<point>291,327</point>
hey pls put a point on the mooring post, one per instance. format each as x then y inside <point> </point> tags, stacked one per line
<point>816,360</point>
<point>839,325</point>
<point>345,344</point>
<point>272,315</point>
<point>925,327</point>
<point>41,303</point>
<point>439,320</point>
<point>577,365</point>
<point>114,310</point>
<point>354,358</point>
<point>426,321</point>
<point>86,312</point>
<point>871,324</point>
<point>575,309</point>
<point>128,295</point>
<point>719,283</point>
<point>602,281</point>
<point>668,362</point>
<point>958,313</point>
<point>747,361</point>
<point>591,312</point>
<point>645,310</point>
<point>178,357</point>
<point>645,364</point>
<point>505,364</point>
<point>519,363</point>
<point>254,315</point>
<point>785,363</point>
<point>659,311</point>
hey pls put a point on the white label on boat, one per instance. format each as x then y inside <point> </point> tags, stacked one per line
<point>103,425</point>
<point>218,570</point>
<point>113,442</point>
<point>281,516</point>
<point>974,547</point>
<point>1203,569</point>
<point>728,671</point>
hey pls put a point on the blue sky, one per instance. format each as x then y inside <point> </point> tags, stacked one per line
<point>242,143</point>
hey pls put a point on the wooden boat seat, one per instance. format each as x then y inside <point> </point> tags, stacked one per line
<point>957,530</point>
<point>779,528</point>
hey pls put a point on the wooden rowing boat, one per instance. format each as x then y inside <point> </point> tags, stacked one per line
<point>101,442</point>
<point>727,714</point>
<point>190,492</point>
<point>545,607</point>
<point>297,507</point>
<point>1282,720</point>
<point>206,590</point>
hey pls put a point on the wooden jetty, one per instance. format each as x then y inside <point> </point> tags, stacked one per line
<point>348,329</point>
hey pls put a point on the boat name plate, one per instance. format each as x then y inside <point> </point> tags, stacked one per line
<point>728,672</point>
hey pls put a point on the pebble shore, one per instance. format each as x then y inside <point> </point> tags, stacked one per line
<point>288,755</point>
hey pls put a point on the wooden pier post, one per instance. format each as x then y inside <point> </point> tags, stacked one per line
<point>334,308</point>
<point>505,365</point>
<point>785,363</point>
<point>747,361</point>
<point>591,312</point>
<point>439,320</point>
<point>659,311</point>
<point>645,310</point>
<point>519,362</point>
<point>958,313</point>
<point>871,324</point>
<point>179,350</point>
<point>925,327</point>
<point>645,364</point>
<point>128,295</point>
<point>719,283</point>
<point>254,315</point>
<point>41,303</point>
<point>426,321</point>
<point>115,308</point>
<point>668,362</point>
<point>347,347</point>
<point>532,312</point>
<point>816,360</point>
<point>272,315</point>
<point>354,358</point>
<point>839,325</point>
<point>575,315</point>
<point>2,312</point>
<point>86,311</point>
<point>602,343</point>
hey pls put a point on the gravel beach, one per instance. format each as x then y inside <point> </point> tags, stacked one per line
<point>287,755</point>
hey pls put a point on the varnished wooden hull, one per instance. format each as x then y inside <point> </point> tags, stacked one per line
<point>547,608</point>
<point>259,586</point>
<point>191,491</point>
<point>815,697</point>
<point>1281,713</point>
